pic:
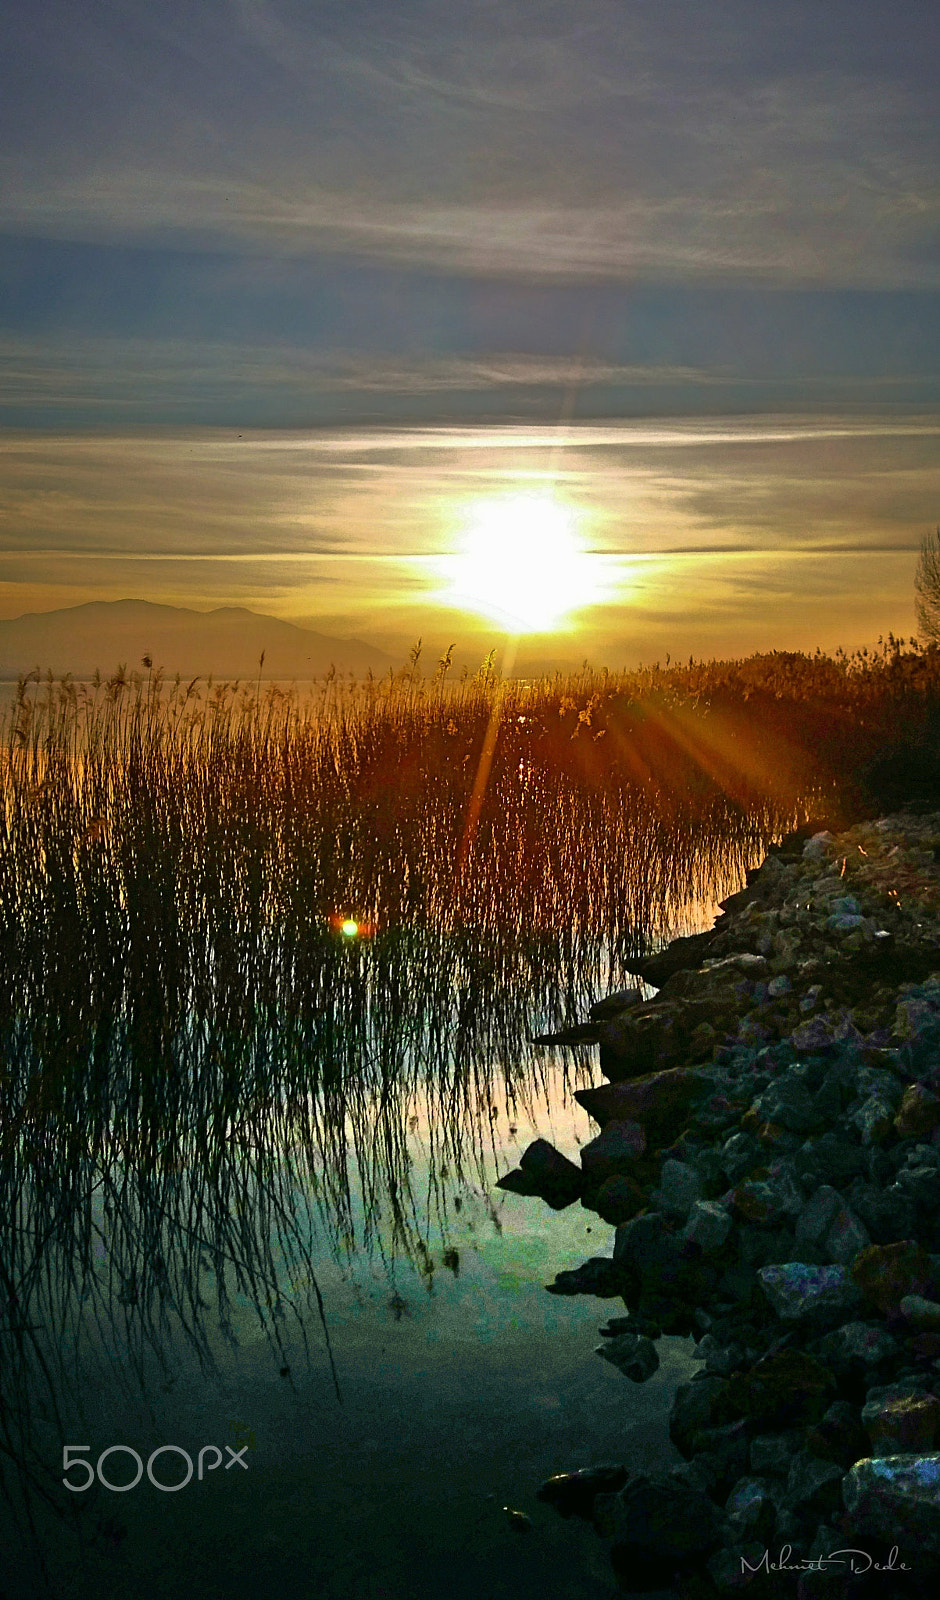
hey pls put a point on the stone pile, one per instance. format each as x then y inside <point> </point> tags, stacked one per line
<point>769,1154</point>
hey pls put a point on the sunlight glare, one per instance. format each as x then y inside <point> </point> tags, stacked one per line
<point>522,563</point>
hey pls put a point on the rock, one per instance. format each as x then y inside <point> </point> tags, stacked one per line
<point>773,1452</point>
<point>897,1499</point>
<point>844,905</point>
<point>901,1424</point>
<point>739,1154</point>
<point>696,1407</point>
<point>817,1215</point>
<point>813,1485</point>
<point>720,1357</point>
<point>518,1182</point>
<point>679,955</point>
<point>640,1241</point>
<point>857,1344</point>
<point>612,1004</point>
<point>732,1567</point>
<point>559,1180</point>
<point>889,1214</point>
<point>612,1153</point>
<point>659,1101</point>
<point>573,1493</point>
<point>582,1033</point>
<point>780,1389</point>
<point>846,1236</point>
<point>679,1188</point>
<point>839,1436</point>
<point>770,1200</point>
<point>818,847</point>
<point>663,1517</point>
<point>633,1355</point>
<point>617,1200</point>
<point>833,1158</point>
<point>636,1043</point>
<point>886,1273</point>
<point>911,1015</point>
<point>750,1510</point>
<point>923,1315</point>
<point>708,1226</point>
<point>874,1119</point>
<point>599,1276</point>
<point>800,1292</point>
<point>636,1322</point>
<point>922,1183</point>
<point>727,1447</point>
<point>919,1113</point>
<point>812,1036</point>
<point>667,1265</point>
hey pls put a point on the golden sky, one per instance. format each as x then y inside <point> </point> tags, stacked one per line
<point>712,537</point>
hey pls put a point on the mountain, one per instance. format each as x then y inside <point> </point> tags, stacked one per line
<point>226,643</point>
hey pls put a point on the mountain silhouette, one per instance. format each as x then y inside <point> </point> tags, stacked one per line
<point>226,643</point>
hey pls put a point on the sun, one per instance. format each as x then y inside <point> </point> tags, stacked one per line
<point>522,563</point>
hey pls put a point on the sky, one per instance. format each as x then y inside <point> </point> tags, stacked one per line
<point>613,324</point>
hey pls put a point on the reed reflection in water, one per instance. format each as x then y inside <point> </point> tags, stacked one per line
<point>203,1078</point>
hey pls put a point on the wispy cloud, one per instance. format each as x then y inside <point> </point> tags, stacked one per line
<point>677,142</point>
<point>92,371</point>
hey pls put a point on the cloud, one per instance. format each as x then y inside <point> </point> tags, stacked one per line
<point>86,371</point>
<point>759,231</point>
<point>681,142</point>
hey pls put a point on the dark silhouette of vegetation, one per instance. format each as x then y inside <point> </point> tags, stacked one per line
<point>927,588</point>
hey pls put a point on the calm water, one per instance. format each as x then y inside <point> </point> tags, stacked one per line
<point>462,1384</point>
<point>462,1389</point>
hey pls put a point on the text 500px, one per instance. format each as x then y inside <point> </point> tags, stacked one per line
<point>73,1454</point>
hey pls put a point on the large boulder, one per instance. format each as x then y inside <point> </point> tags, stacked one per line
<point>697,1407</point>
<point>614,1152</point>
<point>901,1423</point>
<point>780,1389</point>
<point>887,1273</point>
<point>659,1101</point>
<point>637,1042</point>
<point>896,1498</point>
<point>617,1200</point>
<point>679,955</point>
<point>802,1292</point>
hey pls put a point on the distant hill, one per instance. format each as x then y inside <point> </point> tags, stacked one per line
<point>226,643</point>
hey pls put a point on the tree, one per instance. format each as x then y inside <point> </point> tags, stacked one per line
<point>927,588</point>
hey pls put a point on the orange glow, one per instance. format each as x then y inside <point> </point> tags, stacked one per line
<point>352,927</point>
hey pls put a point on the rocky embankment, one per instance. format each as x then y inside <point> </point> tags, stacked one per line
<point>769,1154</point>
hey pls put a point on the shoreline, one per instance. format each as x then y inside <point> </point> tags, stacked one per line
<point>769,1157</point>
